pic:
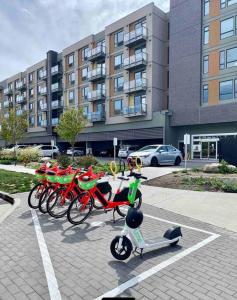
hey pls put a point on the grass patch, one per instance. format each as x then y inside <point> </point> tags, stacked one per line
<point>13,182</point>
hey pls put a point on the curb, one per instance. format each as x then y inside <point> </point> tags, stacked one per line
<point>15,202</point>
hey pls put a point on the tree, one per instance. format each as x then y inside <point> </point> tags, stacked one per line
<point>71,123</point>
<point>14,128</point>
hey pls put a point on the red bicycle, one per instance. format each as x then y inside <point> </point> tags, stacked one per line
<point>81,207</point>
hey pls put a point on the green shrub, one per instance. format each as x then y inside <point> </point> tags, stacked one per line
<point>86,161</point>
<point>28,155</point>
<point>64,160</point>
<point>5,161</point>
<point>7,155</point>
<point>225,169</point>
<point>196,170</point>
<point>230,187</point>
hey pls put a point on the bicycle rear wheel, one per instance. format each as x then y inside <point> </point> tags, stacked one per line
<point>34,195</point>
<point>122,210</point>
<point>58,202</point>
<point>43,199</point>
<point>80,209</point>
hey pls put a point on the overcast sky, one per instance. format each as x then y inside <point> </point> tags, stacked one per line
<point>29,28</point>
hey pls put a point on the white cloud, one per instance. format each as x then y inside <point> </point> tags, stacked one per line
<point>30,28</point>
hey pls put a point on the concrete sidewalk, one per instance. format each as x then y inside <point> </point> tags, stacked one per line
<point>17,168</point>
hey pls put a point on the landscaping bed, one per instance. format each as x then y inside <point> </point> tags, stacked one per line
<point>197,180</point>
<point>13,182</point>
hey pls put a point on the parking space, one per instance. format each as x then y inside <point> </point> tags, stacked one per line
<point>201,266</point>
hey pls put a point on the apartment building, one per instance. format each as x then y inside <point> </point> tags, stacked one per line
<point>203,74</point>
<point>119,76</point>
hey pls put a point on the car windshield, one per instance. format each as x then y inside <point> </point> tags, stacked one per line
<point>148,148</point>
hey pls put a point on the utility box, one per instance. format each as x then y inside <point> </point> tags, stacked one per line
<point>228,149</point>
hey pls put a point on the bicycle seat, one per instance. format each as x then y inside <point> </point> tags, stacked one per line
<point>85,178</point>
<point>61,168</point>
<point>51,173</point>
<point>40,171</point>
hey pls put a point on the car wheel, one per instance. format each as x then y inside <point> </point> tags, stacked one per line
<point>177,161</point>
<point>154,162</point>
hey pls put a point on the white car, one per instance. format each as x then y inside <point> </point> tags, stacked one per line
<point>48,150</point>
<point>155,155</point>
<point>77,151</point>
<point>17,147</point>
<point>125,150</point>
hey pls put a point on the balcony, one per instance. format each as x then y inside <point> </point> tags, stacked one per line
<point>6,104</point>
<point>55,70</point>
<point>136,36</point>
<point>43,75</point>
<point>43,107</point>
<point>43,91</point>
<point>96,95</point>
<point>55,121</point>
<point>135,111</point>
<point>97,53</point>
<point>135,85</point>
<point>98,116</point>
<point>20,85</point>
<point>20,99</point>
<point>7,91</point>
<point>55,87</point>
<point>134,61</point>
<point>96,74</point>
<point>56,104</point>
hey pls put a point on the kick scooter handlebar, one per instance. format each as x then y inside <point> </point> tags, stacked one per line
<point>137,175</point>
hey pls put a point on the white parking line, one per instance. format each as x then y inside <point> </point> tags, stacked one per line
<point>48,267</point>
<point>144,275</point>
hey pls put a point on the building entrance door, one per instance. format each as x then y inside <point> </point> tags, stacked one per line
<point>209,150</point>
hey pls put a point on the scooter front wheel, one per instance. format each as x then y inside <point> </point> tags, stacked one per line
<point>124,252</point>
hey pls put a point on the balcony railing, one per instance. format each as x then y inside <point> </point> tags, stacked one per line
<point>136,36</point>
<point>43,106</point>
<point>55,87</point>
<point>20,99</point>
<point>96,53</point>
<point>20,85</point>
<point>96,95</point>
<point>43,91</point>
<point>137,60</point>
<point>7,91</point>
<point>95,74</point>
<point>133,111</point>
<point>96,116</point>
<point>42,75</point>
<point>55,70</point>
<point>55,121</point>
<point>135,85</point>
<point>56,104</point>
<point>6,104</point>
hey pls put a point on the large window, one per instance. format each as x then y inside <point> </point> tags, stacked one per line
<point>228,58</point>
<point>226,90</point>
<point>71,78</point>
<point>226,3</point>
<point>118,106</point>
<point>71,96</point>
<point>205,64</point>
<point>206,6</point>
<point>222,60</point>
<point>206,35</point>
<point>205,94</point>
<point>31,77</point>
<point>86,110</point>
<point>71,59</point>
<point>118,84</point>
<point>118,61</point>
<point>84,73</point>
<point>118,38</point>
<point>84,53</point>
<point>85,91</point>
<point>227,28</point>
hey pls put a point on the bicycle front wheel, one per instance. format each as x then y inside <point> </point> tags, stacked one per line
<point>58,202</point>
<point>34,195</point>
<point>80,209</point>
<point>43,199</point>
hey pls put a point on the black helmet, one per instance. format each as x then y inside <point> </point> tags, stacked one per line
<point>134,217</point>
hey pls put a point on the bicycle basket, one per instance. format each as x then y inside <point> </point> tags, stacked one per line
<point>65,179</point>
<point>87,185</point>
<point>51,177</point>
<point>40,175</point>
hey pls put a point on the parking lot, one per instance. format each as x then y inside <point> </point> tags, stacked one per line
<point>50,259</point>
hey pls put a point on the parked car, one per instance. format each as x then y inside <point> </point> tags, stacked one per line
<point>17,147</point>
<point>125,150</point>
<point>155,155</point>
<point>48,150</point>
<point>77,151</point>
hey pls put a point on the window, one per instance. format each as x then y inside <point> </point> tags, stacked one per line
<point>140,24</point>
<point>226,3</point>
<point>84,73</point>
<point>71,59</point>
<point>31,106</point>
<point>227,28</point>
<point>31,77</point>
<point>118,61</point>
<point>84,53</point>
<point>71,78</point>
<point>118,107</point>
<point>118,38</point>
<point>222,60</point>
<point>206,35</point>
<point>118,84</point>
<point>231,57</point>
<point>226,90</point>
<point>205,64</point>
<point>206,6</point>
<point>71,96</point>
<point>205,94</point>
<point>85,91</point>
<point>31,120</point>
<point>86,110</point>
<point>235,88</point>
<point>31,92</point>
